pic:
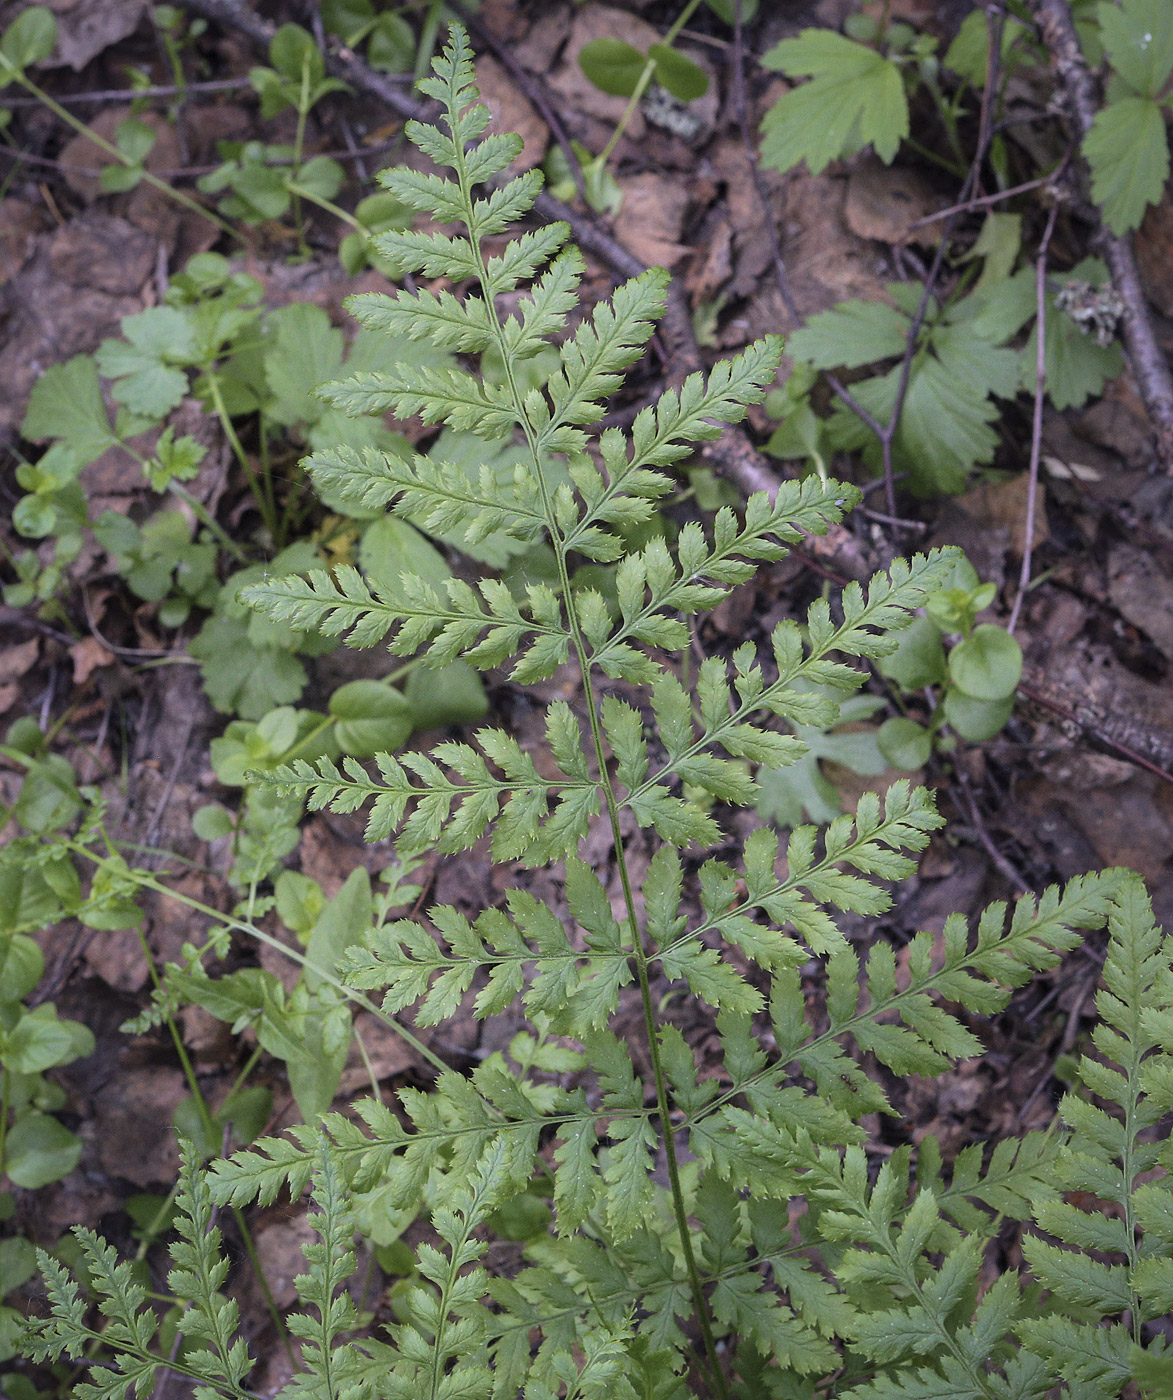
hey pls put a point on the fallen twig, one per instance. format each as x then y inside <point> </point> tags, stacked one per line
<point>1149,365</point>
<point>1036,432</point>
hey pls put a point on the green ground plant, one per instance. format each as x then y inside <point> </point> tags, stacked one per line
<point>975,350</point>
<point>679,1234</point>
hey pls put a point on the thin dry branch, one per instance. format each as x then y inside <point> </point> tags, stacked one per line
<point>1036,435</point>
<point>1149,365</point>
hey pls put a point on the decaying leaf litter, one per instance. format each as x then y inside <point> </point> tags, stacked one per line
<point>1078,779</point>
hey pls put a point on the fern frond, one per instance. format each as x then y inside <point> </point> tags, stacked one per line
<point>197,1277</point>
<point>434,394</point>
<point>1107,1154</point>
<point>435,495</point>
<point>449,813</point>
<point>485,631</point>
<point>442,1347</point>
<point>406,959</point>
<point>977,972</point>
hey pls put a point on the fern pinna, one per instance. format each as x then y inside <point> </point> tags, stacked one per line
<point>716,1234</point>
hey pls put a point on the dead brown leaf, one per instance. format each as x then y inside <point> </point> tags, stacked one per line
<point>1143,593</point>
<point>20,222</point>
<point>651,218</point>
<point>17,661</point>
<point>884,201</point>
<point>88,656</point>
<point>1002,505</point>
<point>80,281</point>
<point>86,27</point>
<point>136,1141</point>
<point>512,111</point>
<point>1154,254</point>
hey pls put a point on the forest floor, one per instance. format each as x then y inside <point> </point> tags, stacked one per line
<point>1080,778</point>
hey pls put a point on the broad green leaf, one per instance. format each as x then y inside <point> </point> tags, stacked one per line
<point>391,548</point>
<point>392,46</point>
<point>904,743</point>
<point>919,658</point>
<point>21,966</point>
<point>451,694</point>
<point>976,720</point>
<point>855,98</point>
<point>725,10</point>
<point>29,39</point>
<point>305,351</point>
<point>987,665</point>
<point>239,676</point>
<point>1139,42</point>
<point>66,403</point>
<point>39,1150</point>
<point>299,901</point>
<point>683,78</point>
<point>18,1263</point>
<point>1129,157</point>
<point>292,51</point>
<point>146,365</point>
<point>968,53</point>
<point>851,334</point>
<point>785,794</point>
<point>370,718</point>
<point>613,65</point>
<point>344,921</point>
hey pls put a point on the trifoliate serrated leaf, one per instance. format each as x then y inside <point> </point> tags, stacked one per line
<point>66,403</point>
<point>851,334</point>
<point>147,367</point>
<point>304,350</point>
<point>239,676</point>
<point>1128,152</point>
<point>855,98</point>
<point>1139,43</point>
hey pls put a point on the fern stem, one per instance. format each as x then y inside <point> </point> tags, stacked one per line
<point>582,653</point>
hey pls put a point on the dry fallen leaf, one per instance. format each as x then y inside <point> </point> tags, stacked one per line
<point>885,201</point>
<point>88,656</point>
<point>86,27</point>
<point>17,661</point>
<point>134,1110</point>
<point>1154,254</point>
<point>651,218</point>
<point>512,111</point>
<point>1143,594</point>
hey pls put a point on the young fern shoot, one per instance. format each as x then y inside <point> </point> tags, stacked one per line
<point>673,1266</point>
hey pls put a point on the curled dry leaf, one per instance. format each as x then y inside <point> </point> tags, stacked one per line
<point>885,201</point>
<point>651,218</point>
<point>512,111</point>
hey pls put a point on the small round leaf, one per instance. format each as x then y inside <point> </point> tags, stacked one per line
<point>988,664</point>
<point>976,720</point>
<point>213,822</point>
<point>904,743</point>
<point>30,38</point>
<point>919,658</point>
<point>612,65</point>
<point>371,718</point>
<point>40,1150</point>
<point>683,78</point>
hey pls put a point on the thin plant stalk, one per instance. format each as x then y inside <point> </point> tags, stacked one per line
<point>109,148</point>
